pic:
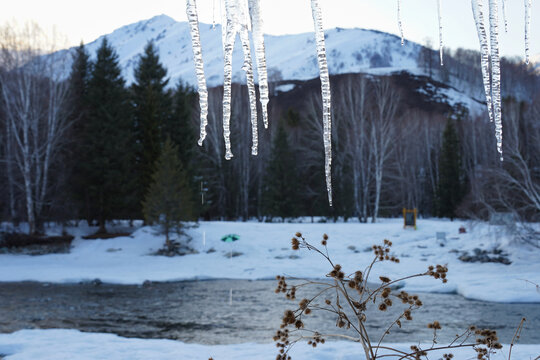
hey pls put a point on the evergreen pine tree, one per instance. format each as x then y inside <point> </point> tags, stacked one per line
<point>152,105</point>
<point>280,196</point>
<point>180,126</point>
<point>107,156</point>
<point>450,187</point>
<point>168,201</point>
<point>181,129</point>
<point>78,81</point>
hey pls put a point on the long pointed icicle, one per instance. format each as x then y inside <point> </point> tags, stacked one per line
<point>400,24</point>
<point>495,72</point>
<point>258,40</point>
<point>213,14</point>
<point>191,10</point>
<point>504,16</point>
<point>248,68</point>
<point>484,51</point>
<point>441,45</point>
<point>325,89</point>
<point>229,30</point>
<point>528,4</point>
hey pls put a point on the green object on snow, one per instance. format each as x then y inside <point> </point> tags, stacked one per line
<point>230,238</point>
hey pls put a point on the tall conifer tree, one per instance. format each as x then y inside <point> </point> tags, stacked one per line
<point>107,156</point>
<point>280,196</point>
<point>180,126</point>
<point>450,187</point>
<point>152,110</point>
<point>78,79</point>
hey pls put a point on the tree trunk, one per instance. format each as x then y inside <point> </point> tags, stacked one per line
<point>9,172</point>
<point>378,185</point>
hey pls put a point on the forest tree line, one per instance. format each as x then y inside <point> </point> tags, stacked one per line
<point>86,147</point>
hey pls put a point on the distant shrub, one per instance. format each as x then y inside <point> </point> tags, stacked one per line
<point>168,201</point>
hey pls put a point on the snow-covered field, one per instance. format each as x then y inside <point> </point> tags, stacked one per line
<point>266,252</point>
<point>73,344</point>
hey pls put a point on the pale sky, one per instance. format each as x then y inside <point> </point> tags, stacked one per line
<point>87,20</point>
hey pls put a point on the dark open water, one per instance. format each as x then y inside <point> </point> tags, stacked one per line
<point>200,312</point>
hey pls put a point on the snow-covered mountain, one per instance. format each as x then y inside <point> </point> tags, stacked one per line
<point>289,57</point>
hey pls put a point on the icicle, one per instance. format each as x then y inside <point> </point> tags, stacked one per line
<point>325,89</point>
<point>248,68</point>
<point>213,14</point>
<point>504,16</point>
<point>528,4</point>
<point>495,72</point>
<point>191,10</point>
<point>228,31</point>
<point>440,31</point>
<point>484,51</point>
<point>236,21</point>
<point>400,25</point>
<point>258,40</point>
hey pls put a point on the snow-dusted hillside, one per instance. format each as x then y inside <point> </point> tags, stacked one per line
<point>293,56</point>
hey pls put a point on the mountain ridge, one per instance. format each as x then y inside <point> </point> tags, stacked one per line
<point>289,57</point>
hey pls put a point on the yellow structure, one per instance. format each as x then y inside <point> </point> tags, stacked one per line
<point>409,218</point>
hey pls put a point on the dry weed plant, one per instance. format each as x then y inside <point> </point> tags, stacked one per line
<point>348,296</point>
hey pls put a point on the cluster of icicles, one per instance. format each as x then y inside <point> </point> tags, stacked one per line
<point>241,17</point>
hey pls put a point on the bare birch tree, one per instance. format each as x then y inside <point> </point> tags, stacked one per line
<point>351,123</point>
<point>511,186</point>
<point>383,131</point>
<point>35,102</point>
<point>407,171</point>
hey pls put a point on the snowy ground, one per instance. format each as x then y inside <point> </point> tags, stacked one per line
<point>266,252</point>
<point>72,344</point>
